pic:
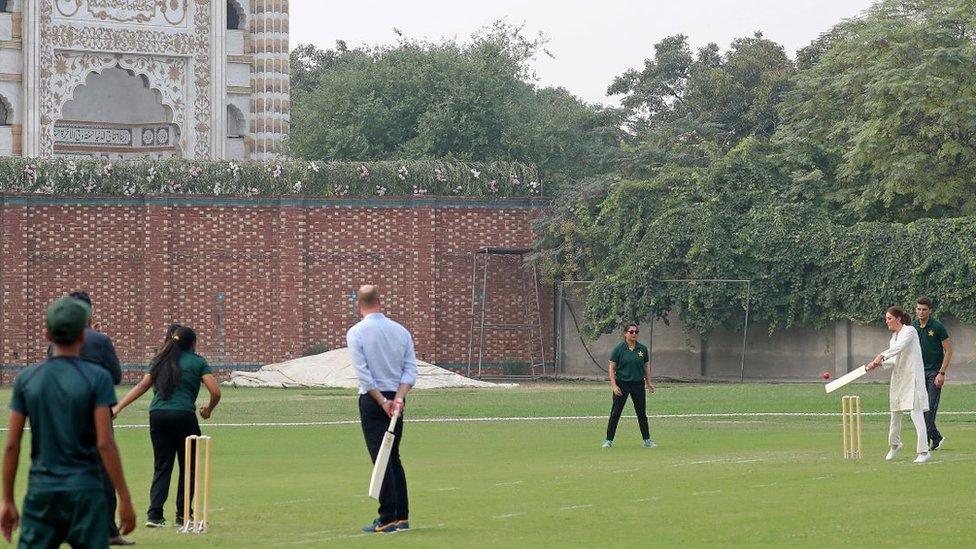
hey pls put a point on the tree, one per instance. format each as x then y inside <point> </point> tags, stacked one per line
<point>882,121</point>
<point>469,102</point>
<point>692,107</point>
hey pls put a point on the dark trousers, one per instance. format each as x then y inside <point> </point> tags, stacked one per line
<point>635,390</point>
<point>393,493</point>
<point>935,393</point>
<point>168,430</point>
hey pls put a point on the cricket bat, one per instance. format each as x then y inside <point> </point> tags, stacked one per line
<point>846,378</point>
<point>383,459</point>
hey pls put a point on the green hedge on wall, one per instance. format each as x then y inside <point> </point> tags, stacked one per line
<point>275,178</point>
<point>735,220</point>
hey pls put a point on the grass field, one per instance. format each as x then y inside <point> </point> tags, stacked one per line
<point>741,479</point>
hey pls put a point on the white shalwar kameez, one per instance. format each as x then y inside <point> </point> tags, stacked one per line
<point>904,357</point>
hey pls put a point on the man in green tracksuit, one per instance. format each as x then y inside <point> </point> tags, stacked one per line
<point>68,403</point>
<point>936,354</point>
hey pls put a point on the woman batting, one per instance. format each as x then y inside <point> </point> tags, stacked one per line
<point>907,394</point>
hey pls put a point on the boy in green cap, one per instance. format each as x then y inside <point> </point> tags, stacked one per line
<point>68,402</point>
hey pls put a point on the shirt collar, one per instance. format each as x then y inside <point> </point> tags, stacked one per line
<point>374,315</point>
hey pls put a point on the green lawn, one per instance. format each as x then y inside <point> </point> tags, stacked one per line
<point>714,480</point>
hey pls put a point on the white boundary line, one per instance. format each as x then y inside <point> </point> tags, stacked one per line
<point>534,418</point>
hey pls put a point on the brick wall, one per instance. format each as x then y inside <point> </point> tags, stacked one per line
<point>285,268</point>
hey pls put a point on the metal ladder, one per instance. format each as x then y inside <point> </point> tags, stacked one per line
<point>531,317</point>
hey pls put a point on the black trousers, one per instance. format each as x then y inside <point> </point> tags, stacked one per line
<point>393,494</point>
<point>635,390</point>
<point>168,430</point>
<point>935,393</point>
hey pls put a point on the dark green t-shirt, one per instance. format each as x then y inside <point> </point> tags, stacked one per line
<point>931,337</point>
<point>59,398</point>
<point>630,364</point>
<point>192,367</point>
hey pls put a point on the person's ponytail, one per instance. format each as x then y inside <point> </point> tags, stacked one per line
<point>900,314</point>
<point>164,370</point>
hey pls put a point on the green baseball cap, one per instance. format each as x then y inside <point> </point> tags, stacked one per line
<point>67,318</point>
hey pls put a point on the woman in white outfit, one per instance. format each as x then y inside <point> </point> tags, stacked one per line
<point>904,356</point>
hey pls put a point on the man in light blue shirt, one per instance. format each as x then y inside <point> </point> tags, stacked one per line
<point>382,353</point>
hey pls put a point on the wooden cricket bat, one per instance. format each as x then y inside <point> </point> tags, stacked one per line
<point>846,378</point>
<point>383,459</point>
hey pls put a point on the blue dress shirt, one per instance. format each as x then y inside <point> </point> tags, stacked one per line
<point>382,352</point>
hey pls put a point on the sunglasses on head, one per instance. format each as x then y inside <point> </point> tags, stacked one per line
<point>633,331</point>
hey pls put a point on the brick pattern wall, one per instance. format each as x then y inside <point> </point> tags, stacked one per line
<point>286,270</point>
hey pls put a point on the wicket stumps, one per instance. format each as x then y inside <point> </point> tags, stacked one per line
<point>197,453</point>
<point>851,424</point>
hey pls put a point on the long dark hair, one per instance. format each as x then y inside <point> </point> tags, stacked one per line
<point>164,370</point>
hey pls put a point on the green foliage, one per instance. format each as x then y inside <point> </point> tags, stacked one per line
<point>473,102</point>
<point>882,121</point>
<point>734,219</point>
<point>689,108</point>
<point>305,178</point>
<point>820,210</point>
<point>317,349</point>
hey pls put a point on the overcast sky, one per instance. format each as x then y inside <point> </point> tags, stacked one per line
<point>592,41</point>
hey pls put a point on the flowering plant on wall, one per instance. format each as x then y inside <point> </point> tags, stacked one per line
<point>416,178</point>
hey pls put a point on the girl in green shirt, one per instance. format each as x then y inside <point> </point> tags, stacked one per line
<point>175,375</point>
<point>630,371</point>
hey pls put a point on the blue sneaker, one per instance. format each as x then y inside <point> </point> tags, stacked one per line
<point>403,524</point>
<point>607,443</point>
<point>380,526</point>
<point>648,443</point>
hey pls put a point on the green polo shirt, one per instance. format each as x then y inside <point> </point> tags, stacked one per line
<point>930,338</point>
<point>630,364</point>
<point>193,367</point>
<point>59,397</point>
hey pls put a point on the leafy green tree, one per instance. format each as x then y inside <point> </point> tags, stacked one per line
<point>882,121</point>
<point>689,108</point>
<point>473,102</point>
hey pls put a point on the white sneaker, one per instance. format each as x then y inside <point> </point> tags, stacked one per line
<point>922,458</point>
<point>893,452</point>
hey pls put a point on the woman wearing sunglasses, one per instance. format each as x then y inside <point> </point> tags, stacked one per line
<point>630,370</point>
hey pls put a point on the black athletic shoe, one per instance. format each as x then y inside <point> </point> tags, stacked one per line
<point>402,524</point>
<point>936,444</point>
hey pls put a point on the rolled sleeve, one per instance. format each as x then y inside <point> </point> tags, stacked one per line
<point>358,357</point>
<point>409,375</point>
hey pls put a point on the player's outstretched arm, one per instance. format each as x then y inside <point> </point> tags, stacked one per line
<point>113,465</point>
<point>9,518</point>
<point>134,393</point>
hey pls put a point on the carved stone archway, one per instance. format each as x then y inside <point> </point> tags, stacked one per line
<point>166,75</point>
<point>183,35</point>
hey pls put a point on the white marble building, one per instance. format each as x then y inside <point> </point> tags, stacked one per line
<point>204,79</point>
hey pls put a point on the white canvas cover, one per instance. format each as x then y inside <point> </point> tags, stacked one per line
<point>334,369</point>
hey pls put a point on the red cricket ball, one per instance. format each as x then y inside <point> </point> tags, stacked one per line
<point>825,375</point>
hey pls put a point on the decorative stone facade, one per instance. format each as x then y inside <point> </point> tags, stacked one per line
<point>216,70</point>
